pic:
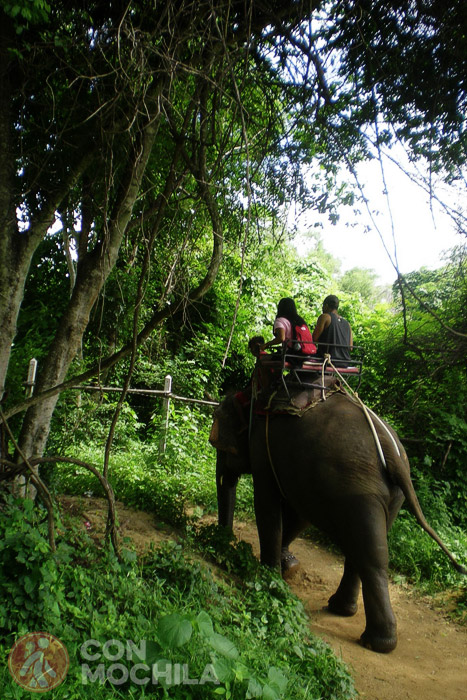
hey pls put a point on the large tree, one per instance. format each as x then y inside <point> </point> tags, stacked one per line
<point>147,128</point>
<point>113,115</point>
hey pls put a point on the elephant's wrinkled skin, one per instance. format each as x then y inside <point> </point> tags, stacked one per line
<point>328,473</point>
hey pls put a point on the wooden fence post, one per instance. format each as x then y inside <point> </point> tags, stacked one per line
<point>165,412</point>
<point>31,380</point>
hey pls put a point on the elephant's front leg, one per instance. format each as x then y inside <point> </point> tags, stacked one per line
<point>226,482</point>
<point>344,600</point>
<point>268,512</point>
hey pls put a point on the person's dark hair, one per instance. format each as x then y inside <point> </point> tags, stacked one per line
<point>254,343</point>
<point>332,302</point>
<point>286,308</point>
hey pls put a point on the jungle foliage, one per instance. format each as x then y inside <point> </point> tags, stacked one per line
<point>181,480</point>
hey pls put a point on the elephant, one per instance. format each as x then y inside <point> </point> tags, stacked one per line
<point>324,467</point>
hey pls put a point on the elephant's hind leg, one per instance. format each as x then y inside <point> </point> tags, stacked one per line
<point>344,600</point>
<point>381,629</point>
<point>366,544</point>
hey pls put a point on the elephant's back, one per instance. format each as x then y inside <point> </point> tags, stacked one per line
<point>330,449</point>
<point>336,427</point>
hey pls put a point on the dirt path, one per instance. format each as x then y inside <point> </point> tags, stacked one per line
<point>430,661</point>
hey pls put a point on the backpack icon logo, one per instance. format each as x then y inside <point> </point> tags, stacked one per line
<point>38,662</point>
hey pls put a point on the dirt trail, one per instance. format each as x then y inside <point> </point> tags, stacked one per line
<point>430,661</point>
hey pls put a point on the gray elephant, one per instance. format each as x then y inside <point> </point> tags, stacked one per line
<point>324,468</point>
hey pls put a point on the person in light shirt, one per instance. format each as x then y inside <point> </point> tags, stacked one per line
<point>286,318</point>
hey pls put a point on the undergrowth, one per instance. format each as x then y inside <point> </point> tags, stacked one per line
<point>244,636</point>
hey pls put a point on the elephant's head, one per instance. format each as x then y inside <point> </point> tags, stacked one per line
<point>229,435</point>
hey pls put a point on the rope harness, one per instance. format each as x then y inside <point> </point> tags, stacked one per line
<point>367,411</point>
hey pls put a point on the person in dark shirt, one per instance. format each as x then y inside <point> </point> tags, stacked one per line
<point>333,333</point>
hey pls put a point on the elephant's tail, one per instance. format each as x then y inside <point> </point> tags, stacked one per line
<point>398,468</point>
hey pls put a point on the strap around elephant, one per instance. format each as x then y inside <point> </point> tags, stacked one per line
<point>367,412</point>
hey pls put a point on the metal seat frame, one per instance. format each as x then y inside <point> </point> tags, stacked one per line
<point>286,361</point>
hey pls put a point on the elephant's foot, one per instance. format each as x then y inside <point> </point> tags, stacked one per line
<point>338,606</point>
<point>289,564</point>
<point>378,643</point>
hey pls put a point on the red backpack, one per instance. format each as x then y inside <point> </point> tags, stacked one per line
<point>306,345</point>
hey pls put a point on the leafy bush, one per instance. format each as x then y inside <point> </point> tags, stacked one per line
<point>88,424</point>
<point>247,640</point>
<point>154,489</point>
<point>29,577</point>
<point>415,555</point>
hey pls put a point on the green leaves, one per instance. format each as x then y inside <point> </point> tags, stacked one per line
<point>204,623</point>
<point>223,646</point>
<point>174,630</point>
<point>391,77</point>
<point>24,12</point>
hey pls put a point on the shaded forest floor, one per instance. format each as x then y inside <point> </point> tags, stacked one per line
<point>430,661</point>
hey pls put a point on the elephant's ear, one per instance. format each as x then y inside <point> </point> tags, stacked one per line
<point>224,430</point>
<point>218,441</point>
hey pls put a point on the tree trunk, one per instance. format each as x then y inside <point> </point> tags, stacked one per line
<point>14,266</point>
<point>16,249</point>
<point>92,273</point>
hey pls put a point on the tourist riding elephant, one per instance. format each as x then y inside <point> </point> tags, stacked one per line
<point>324,468</point>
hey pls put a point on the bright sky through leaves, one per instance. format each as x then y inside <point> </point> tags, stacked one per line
<point>422,231</point>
